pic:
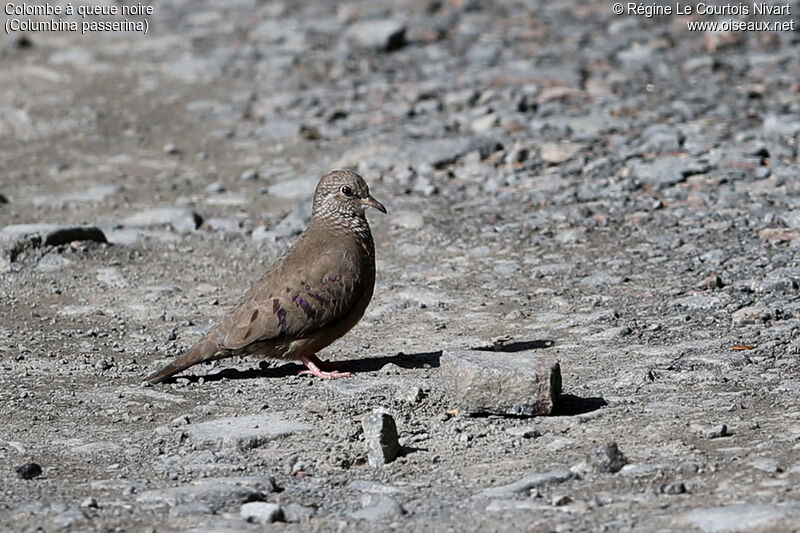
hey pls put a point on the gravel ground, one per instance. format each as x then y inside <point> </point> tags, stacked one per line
<point>615,192</point>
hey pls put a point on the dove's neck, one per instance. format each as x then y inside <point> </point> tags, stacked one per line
<point>354,228</point>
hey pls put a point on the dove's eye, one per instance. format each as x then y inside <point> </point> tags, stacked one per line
<point>347,191</point>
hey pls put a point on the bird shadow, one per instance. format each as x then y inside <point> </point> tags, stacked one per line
<point>355,366</point>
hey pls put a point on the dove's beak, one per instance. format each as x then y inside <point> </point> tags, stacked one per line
<point>369,201</point>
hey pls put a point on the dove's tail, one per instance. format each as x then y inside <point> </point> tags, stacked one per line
<point>205,350</point>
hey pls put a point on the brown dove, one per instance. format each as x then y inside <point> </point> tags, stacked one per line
<point>312,296</point>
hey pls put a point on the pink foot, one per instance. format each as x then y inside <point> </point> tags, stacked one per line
<point>313,364</point>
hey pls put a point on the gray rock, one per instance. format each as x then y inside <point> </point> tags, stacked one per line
<point>766,464</point>
<point>737,518</point>
<point>15,239</point>
<point>523,383</point>
<point>216,493</point>
<point>179,219</point>
<point>382,35</point>
<point>523,432</point>
<point>709,431</point>
<point>69,518</point>
<point>190,509</point>
<point>782,125</point>
<point>378,508</point>
<point>261,512</point>
<point>113,277</point>
<point>527,483</point>
<point>380,437</point>
<point>752,314</point>
<point>243,432</point>
<point>608,459</point>
<point>665,171</point>
<point>294,512</point>
<point>28,471</point>
<point>792,218</point>
<point>557,153</point>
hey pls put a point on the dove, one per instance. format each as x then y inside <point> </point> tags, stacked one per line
<point>316,292</point>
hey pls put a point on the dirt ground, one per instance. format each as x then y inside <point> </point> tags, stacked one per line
<point>614,191</point>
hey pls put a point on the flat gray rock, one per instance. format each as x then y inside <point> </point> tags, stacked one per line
<point>527,483</point>
<point>243,432</point>
<point>525,383</point>
<point>178,218</point>
<point>215,493</point>
<point>733,518</point>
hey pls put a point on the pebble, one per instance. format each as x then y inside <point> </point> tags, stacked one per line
<point>552,477</point>
<point>608,459</point>
<point>383,35</point>
<point>28,471</point>
<point>261,512</point>
<point>378,508</point>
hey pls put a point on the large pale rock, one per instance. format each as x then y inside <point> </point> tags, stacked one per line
<point>523,383</point>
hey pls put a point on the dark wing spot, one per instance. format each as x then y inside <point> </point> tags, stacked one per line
<point>282,319</point>
<point>288,289</point>
<point>247,333</point>
<point>276,304</point>
<point>335,279</point>
<point>305,306</point>
<point>255,315</point>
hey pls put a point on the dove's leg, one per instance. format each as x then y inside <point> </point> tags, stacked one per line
<point>313,364</point>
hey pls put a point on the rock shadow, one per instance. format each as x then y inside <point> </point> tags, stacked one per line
<point>571,405</point>
<point>519,346</point>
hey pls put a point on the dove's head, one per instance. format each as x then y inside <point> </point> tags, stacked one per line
<point>341,196</point>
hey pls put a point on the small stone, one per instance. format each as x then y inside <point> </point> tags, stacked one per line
<point>310,133</point>
<point>752,314</point>
<point>766,464</point>
<point>89,503</point>
<point>712,281</point>
<point>673,488</point>
<point>552,477</point>
<point>28,470</point>
<point>294,512</point>
<point>249,175</point>
<point>524,383</point>
<point>523,432</point>
<point>665,171</point>
<point>182,420</point>
<point>103,364</point>
<point>380,436</point>
<point>557,153</point>
<point>778,235</point>
<point>383,35</point>
<point>261,512</point>
<point>608,459</point>
<point>709,432</point>
<point>170,149</point>
<point>377,508</point>
<point>484,123</point>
